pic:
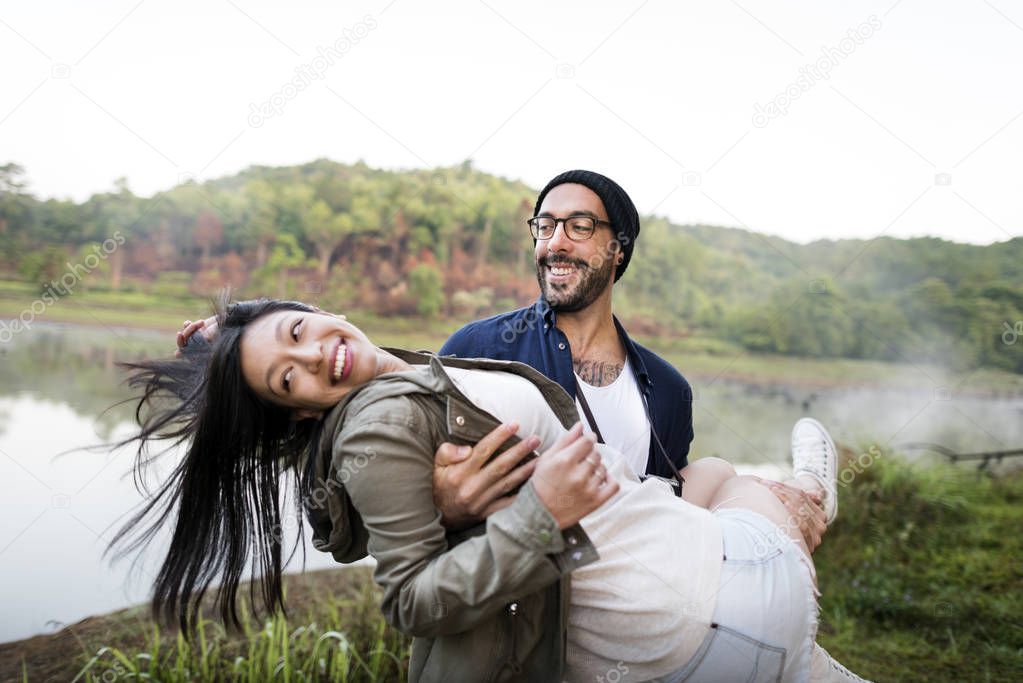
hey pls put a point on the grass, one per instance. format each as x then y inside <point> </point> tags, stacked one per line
<point>98,307</point>
<point>920,575</point>
<point>333,632</point>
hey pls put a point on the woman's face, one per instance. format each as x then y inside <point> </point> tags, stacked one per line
<point>306,362</point>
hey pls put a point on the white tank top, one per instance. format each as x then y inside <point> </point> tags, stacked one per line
<point>619,413</point>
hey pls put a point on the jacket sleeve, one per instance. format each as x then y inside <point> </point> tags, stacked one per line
<point>432,589</point>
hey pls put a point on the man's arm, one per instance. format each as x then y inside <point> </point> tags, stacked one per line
<point>805,508</point>
<point>460,343</point>
<point>469,486</point>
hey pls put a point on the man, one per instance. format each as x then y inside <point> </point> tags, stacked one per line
<point>584,230</point>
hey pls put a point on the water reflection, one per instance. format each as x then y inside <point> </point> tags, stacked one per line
<point>75,366</point>
<point>57,512</point>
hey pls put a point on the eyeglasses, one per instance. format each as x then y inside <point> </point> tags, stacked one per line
<point>578,227</point>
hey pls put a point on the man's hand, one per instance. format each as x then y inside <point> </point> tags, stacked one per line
<point>571,480</point>
<point>208,327</point>
<point>467,489</point>
<point>805,509</point>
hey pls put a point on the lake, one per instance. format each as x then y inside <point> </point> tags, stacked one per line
<point>59,509</point>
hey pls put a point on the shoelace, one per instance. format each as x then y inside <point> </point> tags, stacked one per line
<point>801,454</point>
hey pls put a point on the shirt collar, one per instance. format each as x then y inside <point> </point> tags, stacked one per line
<point>638,366</point>
<point>544,309</point>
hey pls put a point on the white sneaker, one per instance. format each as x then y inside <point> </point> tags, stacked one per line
<point>814,454</point>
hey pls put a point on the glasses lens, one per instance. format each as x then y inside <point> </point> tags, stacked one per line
<point>580,227</point>
<point>543,227</point>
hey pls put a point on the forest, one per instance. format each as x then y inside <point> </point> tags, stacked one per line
<point>453,242</point>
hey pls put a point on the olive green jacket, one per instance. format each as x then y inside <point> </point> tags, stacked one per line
<point>486,604</point>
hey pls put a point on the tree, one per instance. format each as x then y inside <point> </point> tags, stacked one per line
<point>208,233</point>
<point>326,230</point>
<point>286,254</point>
<point>261,217</point>
<point>426,284</point>
<point>14,201</point>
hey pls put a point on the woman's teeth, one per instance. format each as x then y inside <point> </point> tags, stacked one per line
<point>339,364</point>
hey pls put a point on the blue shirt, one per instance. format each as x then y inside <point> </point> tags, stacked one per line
<point>530,336</point>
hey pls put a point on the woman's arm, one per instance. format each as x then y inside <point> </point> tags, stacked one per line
<point>431,588</point>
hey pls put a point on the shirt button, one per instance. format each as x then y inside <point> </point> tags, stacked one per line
<point>561,345</point>
<point>572,540</point>
<point>513,608</point>
<point>577,555</point>
<point>459,420</point>
<point>545,326</point>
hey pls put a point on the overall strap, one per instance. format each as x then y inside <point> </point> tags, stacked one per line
<point>586,410</point>
<point>650,420</point>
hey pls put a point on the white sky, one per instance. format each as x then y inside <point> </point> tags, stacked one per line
<point>658,95</point>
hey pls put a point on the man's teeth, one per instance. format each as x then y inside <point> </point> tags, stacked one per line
<point>562,270</point>
<point>339,364</point>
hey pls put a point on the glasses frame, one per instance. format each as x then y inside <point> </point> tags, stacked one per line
<point>535,229</point>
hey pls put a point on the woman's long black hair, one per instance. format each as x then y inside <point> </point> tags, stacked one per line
<point>226,489</point>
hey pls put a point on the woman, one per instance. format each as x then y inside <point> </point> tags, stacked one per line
<point>564,582</point>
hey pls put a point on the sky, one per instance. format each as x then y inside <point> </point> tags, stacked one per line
<point>802,119</point>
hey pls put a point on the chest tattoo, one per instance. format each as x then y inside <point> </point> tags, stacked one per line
<point>596,372</point>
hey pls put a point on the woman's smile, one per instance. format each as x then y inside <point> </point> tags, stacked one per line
<point>306,361</point>
<point>341,362</point>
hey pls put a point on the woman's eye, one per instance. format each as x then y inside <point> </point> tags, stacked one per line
<point>295,329</point>
<point>286,381</point>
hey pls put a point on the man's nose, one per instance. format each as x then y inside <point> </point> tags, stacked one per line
<point>559,241</point>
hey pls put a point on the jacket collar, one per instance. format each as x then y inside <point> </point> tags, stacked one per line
<point>436,381</point>
<point>337,527</point>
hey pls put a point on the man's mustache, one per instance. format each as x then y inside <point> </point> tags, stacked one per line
<point>550,262</point>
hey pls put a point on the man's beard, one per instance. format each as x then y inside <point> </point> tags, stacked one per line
<point>589,285</point>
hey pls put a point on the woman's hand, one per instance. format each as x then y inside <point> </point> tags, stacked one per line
<point>570,478</point>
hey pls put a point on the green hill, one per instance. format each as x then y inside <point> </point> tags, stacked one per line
<point>453,242</point>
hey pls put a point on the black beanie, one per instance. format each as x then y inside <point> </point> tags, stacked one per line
<point>621,212</point>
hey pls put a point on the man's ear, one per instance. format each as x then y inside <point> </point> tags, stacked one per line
<point>306,414</point>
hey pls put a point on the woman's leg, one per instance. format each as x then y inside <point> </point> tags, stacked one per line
<point>748,493</point>
<point>703,479</point>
